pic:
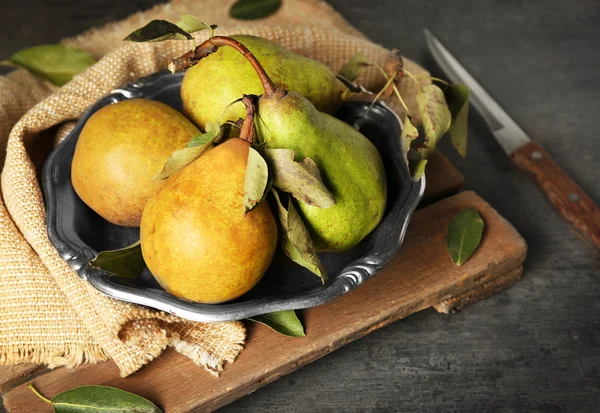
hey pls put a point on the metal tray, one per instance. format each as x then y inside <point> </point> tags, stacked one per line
<point>78,233</point>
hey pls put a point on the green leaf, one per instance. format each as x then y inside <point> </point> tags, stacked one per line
<point>417,169</point>
<point>409,134</point>
<point>193,150</point>
<point>458,103</point>
<point>191,24</point>
<point>157,31</point>
<point>464,235</point>
<point>301,179</point>
<point>434,113</point>
<point>94,399</point>
<point>354,66</point>
<point>295,239</point>
<point>125,262</point>
<point>256,180</point>
<point>254,9</point>
<point>56,63</point>
<point>284,322</point>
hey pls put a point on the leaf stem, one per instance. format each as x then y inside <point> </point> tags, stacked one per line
<point>412,77</point>
<point>397,92</point>
<point>38,394</point>
<point>390,80</point>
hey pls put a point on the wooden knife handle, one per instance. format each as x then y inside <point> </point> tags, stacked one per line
<point>566,196</point>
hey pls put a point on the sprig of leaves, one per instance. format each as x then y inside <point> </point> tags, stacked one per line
<point>284,322</point>
<point>57,63</point>
<point>295,240</point>
<point>98,398</point>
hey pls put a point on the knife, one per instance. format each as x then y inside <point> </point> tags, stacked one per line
<point>566,196</point>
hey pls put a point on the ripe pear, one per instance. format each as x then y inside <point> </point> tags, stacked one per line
<point>195,238</point>
<point>120,149</point>
<point>349,163</point>
<point>213,83</point>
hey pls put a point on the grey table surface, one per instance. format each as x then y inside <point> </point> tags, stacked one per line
<point>533,347</point>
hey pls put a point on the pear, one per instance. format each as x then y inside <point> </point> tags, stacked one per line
<point>349,163</point>
<point>195,238</point>
<point>120,149</point>
<point>212,84</point>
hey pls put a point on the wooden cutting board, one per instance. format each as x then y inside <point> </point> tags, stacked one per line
<point>422,275</point>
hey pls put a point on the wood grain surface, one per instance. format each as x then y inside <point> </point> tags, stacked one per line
<point>420,276</point>
<point>568,198</point>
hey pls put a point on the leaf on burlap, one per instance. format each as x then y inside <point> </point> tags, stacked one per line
<point>254,9</point>
<point>125,262</point>
<point>158,31</point>
<point>284,322</point>
<point>295,240</point>
<point>57,63</point>
<point>301,179</point>
<point>354,66</point>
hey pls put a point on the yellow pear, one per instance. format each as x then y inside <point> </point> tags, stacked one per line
<point>195,238</point>
<point>120,149</point>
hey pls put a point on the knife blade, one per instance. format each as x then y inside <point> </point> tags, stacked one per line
<point>567,197</point>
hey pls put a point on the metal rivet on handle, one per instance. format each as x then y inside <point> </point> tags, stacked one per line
<point>573,197</point>
<point>537,155</point>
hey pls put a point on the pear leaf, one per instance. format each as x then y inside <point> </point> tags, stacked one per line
<point>284,322</point>
<point>409,134</point>
<point>301,179</point>
<point>57,63</point>
<point>417,169</point>
<point>253,9</point>
<point>191,24</point>
<point>158,31</point>
<point>295,239</point>
<point>458,101</point>
<point>354,66</point>
<point>434,113</point>
<point>464,235</point>
<point>256,180</point>
<point>125,262</point>
<point>98,398</point>
<point>193,150</point>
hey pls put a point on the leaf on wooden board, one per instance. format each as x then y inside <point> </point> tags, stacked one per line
<point>125,262</point>
<point>354,66</point>
<point>158,31</point>
<point>193,150</point>
<point>295,240</point>
<point>301,179</point>
<point>284,322</point>
<point>89,399</point>
<point>434,112</point>
<point>191,24</point>
<point>464,235</point>
<point>254,9</point>
<point>57,63</point>
<point>457,97</point>
<point>256,180</point>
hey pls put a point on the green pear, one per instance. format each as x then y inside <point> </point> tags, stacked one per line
<point>349,163</point>
<point>213,83</point>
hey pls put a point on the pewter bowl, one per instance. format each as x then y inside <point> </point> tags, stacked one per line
<point>78,233</point>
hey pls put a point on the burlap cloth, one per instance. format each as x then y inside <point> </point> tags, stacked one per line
<point>48,315</point>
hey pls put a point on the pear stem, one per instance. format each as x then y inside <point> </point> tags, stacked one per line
<point>212,45</point>
<point>247,132</point>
